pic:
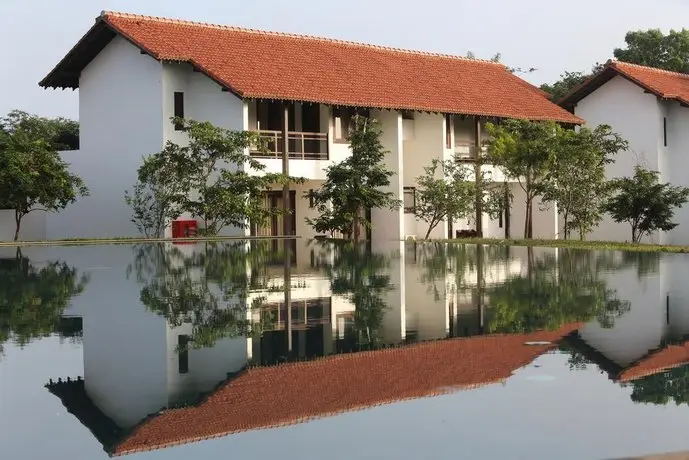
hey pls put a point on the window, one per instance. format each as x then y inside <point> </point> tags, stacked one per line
<point>502,211</point>
<point>311,198</point>
<point>665,131</point>
<point>342,121</point>
<point>179,109</point>
<point>409,200</point>
<point>183,352</point>
<point>448,131</point>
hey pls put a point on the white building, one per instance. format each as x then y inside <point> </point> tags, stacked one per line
<point>135,72</point>
<point>648,108</point>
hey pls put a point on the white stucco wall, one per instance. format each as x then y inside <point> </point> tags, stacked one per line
<point>638,118</point>
<point>674,164</point>
<point>389,224</point>
<point>639,330</point>
<point>121,119</point>
<point>420,149</point>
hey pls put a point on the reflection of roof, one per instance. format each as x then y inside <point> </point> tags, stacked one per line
<point>268,65</point>
<point>660,360</point>
<point>267,397</point>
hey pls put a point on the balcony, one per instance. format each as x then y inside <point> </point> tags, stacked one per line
<point>302,146</point>
<point>466,152</point>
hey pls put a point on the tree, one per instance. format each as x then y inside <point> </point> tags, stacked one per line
<point>645,203</point>
<point>60,133</point>
<point>208,290</point>
<point>152,199</point>
<point>654,49</point>
<point>555,291</point>
<point>567,82</point>
<point>525,151</point>
<point>649,48</point>
<point>354,185</point>
<point>33,299</point>
<point>497,58</point>
<point>359,274</point>
<point>444,193</point>
<point>33,176</point>
<point>208,178</point>
<point>577,183</point>
<point>449,189</point>
<point>663,387</point>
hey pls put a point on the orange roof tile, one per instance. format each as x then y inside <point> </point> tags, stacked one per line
<point>661,360</point>
<point>662,83</point>
<point>257,64</point>
<point>267,397</point>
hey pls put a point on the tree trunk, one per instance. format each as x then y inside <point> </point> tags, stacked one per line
<point>528,230</point>
<point>566,229</point>
<point>428,233</point>
<point>18,223</point>
<point>355,226</point>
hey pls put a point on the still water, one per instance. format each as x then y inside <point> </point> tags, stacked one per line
<point>166,351</point>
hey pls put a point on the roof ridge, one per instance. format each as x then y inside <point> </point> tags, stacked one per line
<point>104,14</point>
<point>615,62</point>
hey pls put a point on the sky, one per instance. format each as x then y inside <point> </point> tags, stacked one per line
<point>550,35</point>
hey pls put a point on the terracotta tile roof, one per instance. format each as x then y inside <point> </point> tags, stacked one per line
<point>258,64</point>
<point>662,83</point>
<point>267,397</point>
<point>660,360</point>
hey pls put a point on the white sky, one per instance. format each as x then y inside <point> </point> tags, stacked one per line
<point>550,35</point>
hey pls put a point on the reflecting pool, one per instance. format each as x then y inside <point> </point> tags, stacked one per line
<point>315,349</point>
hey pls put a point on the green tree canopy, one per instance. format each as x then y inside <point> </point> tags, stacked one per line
<point>577,182</point>
<point>59,133</point>
<point>555,291</point>
<point>662,388</point>
<point>354,185</point>
<point>526,152</point>
<point>32,174</point>
<point>209,289</point>
<point>653,48</point>
<point>212,178</point>
<point>450,189</point>
<point>650,48</point>
<point>359,274</point>
<point>645,203</point>
<point>34,297</point>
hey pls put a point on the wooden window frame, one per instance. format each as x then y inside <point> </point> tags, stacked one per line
<point>449,127</point>
<point>178,109</point>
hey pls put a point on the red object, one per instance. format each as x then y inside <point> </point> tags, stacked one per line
<point>184,228</point>
<point>269,65</point>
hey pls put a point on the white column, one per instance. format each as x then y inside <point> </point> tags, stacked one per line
<point>389,225</point>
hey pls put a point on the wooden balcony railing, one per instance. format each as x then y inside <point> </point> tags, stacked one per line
<point>302,146</point>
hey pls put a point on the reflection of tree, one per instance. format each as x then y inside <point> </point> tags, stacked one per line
<point>357,273</point>
<point>209,289</point>
<point>33,298</point>
<point>555,290</point>
<point>447,266</point>
<point>662,388</point>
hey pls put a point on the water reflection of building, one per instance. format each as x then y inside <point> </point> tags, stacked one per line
<point>133,366</point>
<point>265,397</point>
